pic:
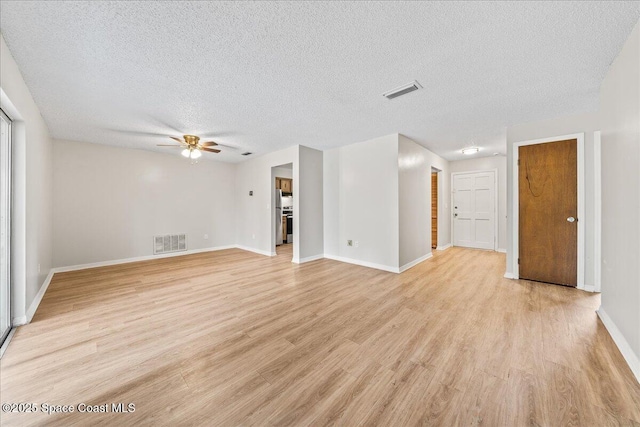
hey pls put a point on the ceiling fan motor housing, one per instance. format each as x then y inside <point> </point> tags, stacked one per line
<point>191,139</point>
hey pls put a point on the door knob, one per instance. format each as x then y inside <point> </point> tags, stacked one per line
<point>571,219</point>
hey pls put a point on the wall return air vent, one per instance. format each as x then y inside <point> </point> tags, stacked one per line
<point>169,243</point>
<point>402,90</point>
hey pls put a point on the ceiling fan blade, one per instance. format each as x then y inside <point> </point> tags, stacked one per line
<point>177,139</point>
<point>211,150</point>
<point>209,144</point>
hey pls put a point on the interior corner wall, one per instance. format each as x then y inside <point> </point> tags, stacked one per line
<point>255,215</point>
<point>283,172</point>
<point>620,108</point>
<point>361,202</point>
<point>110,202</point>
<point>414,198</point>
<point>586,123</point>
<point>32,236</point>
<point>489,163</point>
<point>310,204</point>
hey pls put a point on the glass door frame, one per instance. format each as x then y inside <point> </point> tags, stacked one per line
<point>6,194</point>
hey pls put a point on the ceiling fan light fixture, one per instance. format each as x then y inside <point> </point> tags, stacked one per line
<point>470,150</point>
<point>191,153</point>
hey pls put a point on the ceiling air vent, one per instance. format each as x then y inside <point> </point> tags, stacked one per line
<point>247,153</point>
<point>410,87</point>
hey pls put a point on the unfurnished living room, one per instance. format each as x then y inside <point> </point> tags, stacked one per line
<point>320,213</point>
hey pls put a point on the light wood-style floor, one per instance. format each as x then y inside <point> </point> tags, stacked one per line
<point>233,338</point>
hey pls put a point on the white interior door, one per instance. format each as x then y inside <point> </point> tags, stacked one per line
<point>474,209</point>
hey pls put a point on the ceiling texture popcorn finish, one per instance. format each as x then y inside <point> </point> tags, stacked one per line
<point>263,76</point>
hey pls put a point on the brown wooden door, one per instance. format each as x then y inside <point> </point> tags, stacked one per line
<point>434,210</point>
<point>548,196</point>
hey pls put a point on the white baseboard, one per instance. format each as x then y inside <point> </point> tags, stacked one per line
<point>501,250</point>
<point>363,263</point>
<point>19,321</point>
<point>444,247</point>
<point>140,258</point>
<point>588,288</point>
<point>415,262</point>
<point>254,250</point>
<point>36,301</point>
<point>307,259</point>
<point>627,352</point>
<point>508,275</point>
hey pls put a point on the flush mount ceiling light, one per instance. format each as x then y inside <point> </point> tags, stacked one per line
<point>470,150</point>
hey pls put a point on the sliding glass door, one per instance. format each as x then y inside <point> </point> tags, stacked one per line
<point>5,226</point>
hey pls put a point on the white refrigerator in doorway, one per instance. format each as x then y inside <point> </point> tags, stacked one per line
<point>278,207</point>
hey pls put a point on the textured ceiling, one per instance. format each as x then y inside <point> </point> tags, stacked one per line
<point>262,76</point>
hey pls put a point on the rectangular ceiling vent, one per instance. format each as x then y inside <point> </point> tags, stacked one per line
<point>402,90</point>
<point>169,243</point>
<point>247,153</point>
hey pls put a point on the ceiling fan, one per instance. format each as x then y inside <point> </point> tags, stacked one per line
<point>192,147</point>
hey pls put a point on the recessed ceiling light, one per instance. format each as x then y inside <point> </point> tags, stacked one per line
<point>470,150</point>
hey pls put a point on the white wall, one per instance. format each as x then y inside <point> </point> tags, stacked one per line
<point>620,107</point>
<point>414,198</point>
<point>110,202</point>
<point>309,194</point>
<point>331,201</point>
<point>378,194</point>
<point>255,216</point>
<point>587,123</point>
<point>32,238</point>
<point>361,202</point>
<point>490,163</point>
<point>414,203</point>
<point>283,172</point>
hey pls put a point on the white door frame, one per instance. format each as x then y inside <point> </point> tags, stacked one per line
<point>581,199</point>
<point>495,203</point>
<point>597,217</point>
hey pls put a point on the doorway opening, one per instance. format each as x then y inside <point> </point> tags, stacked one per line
<point>284,212</point>
<point>434,208</point>
<point>5,226</point>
